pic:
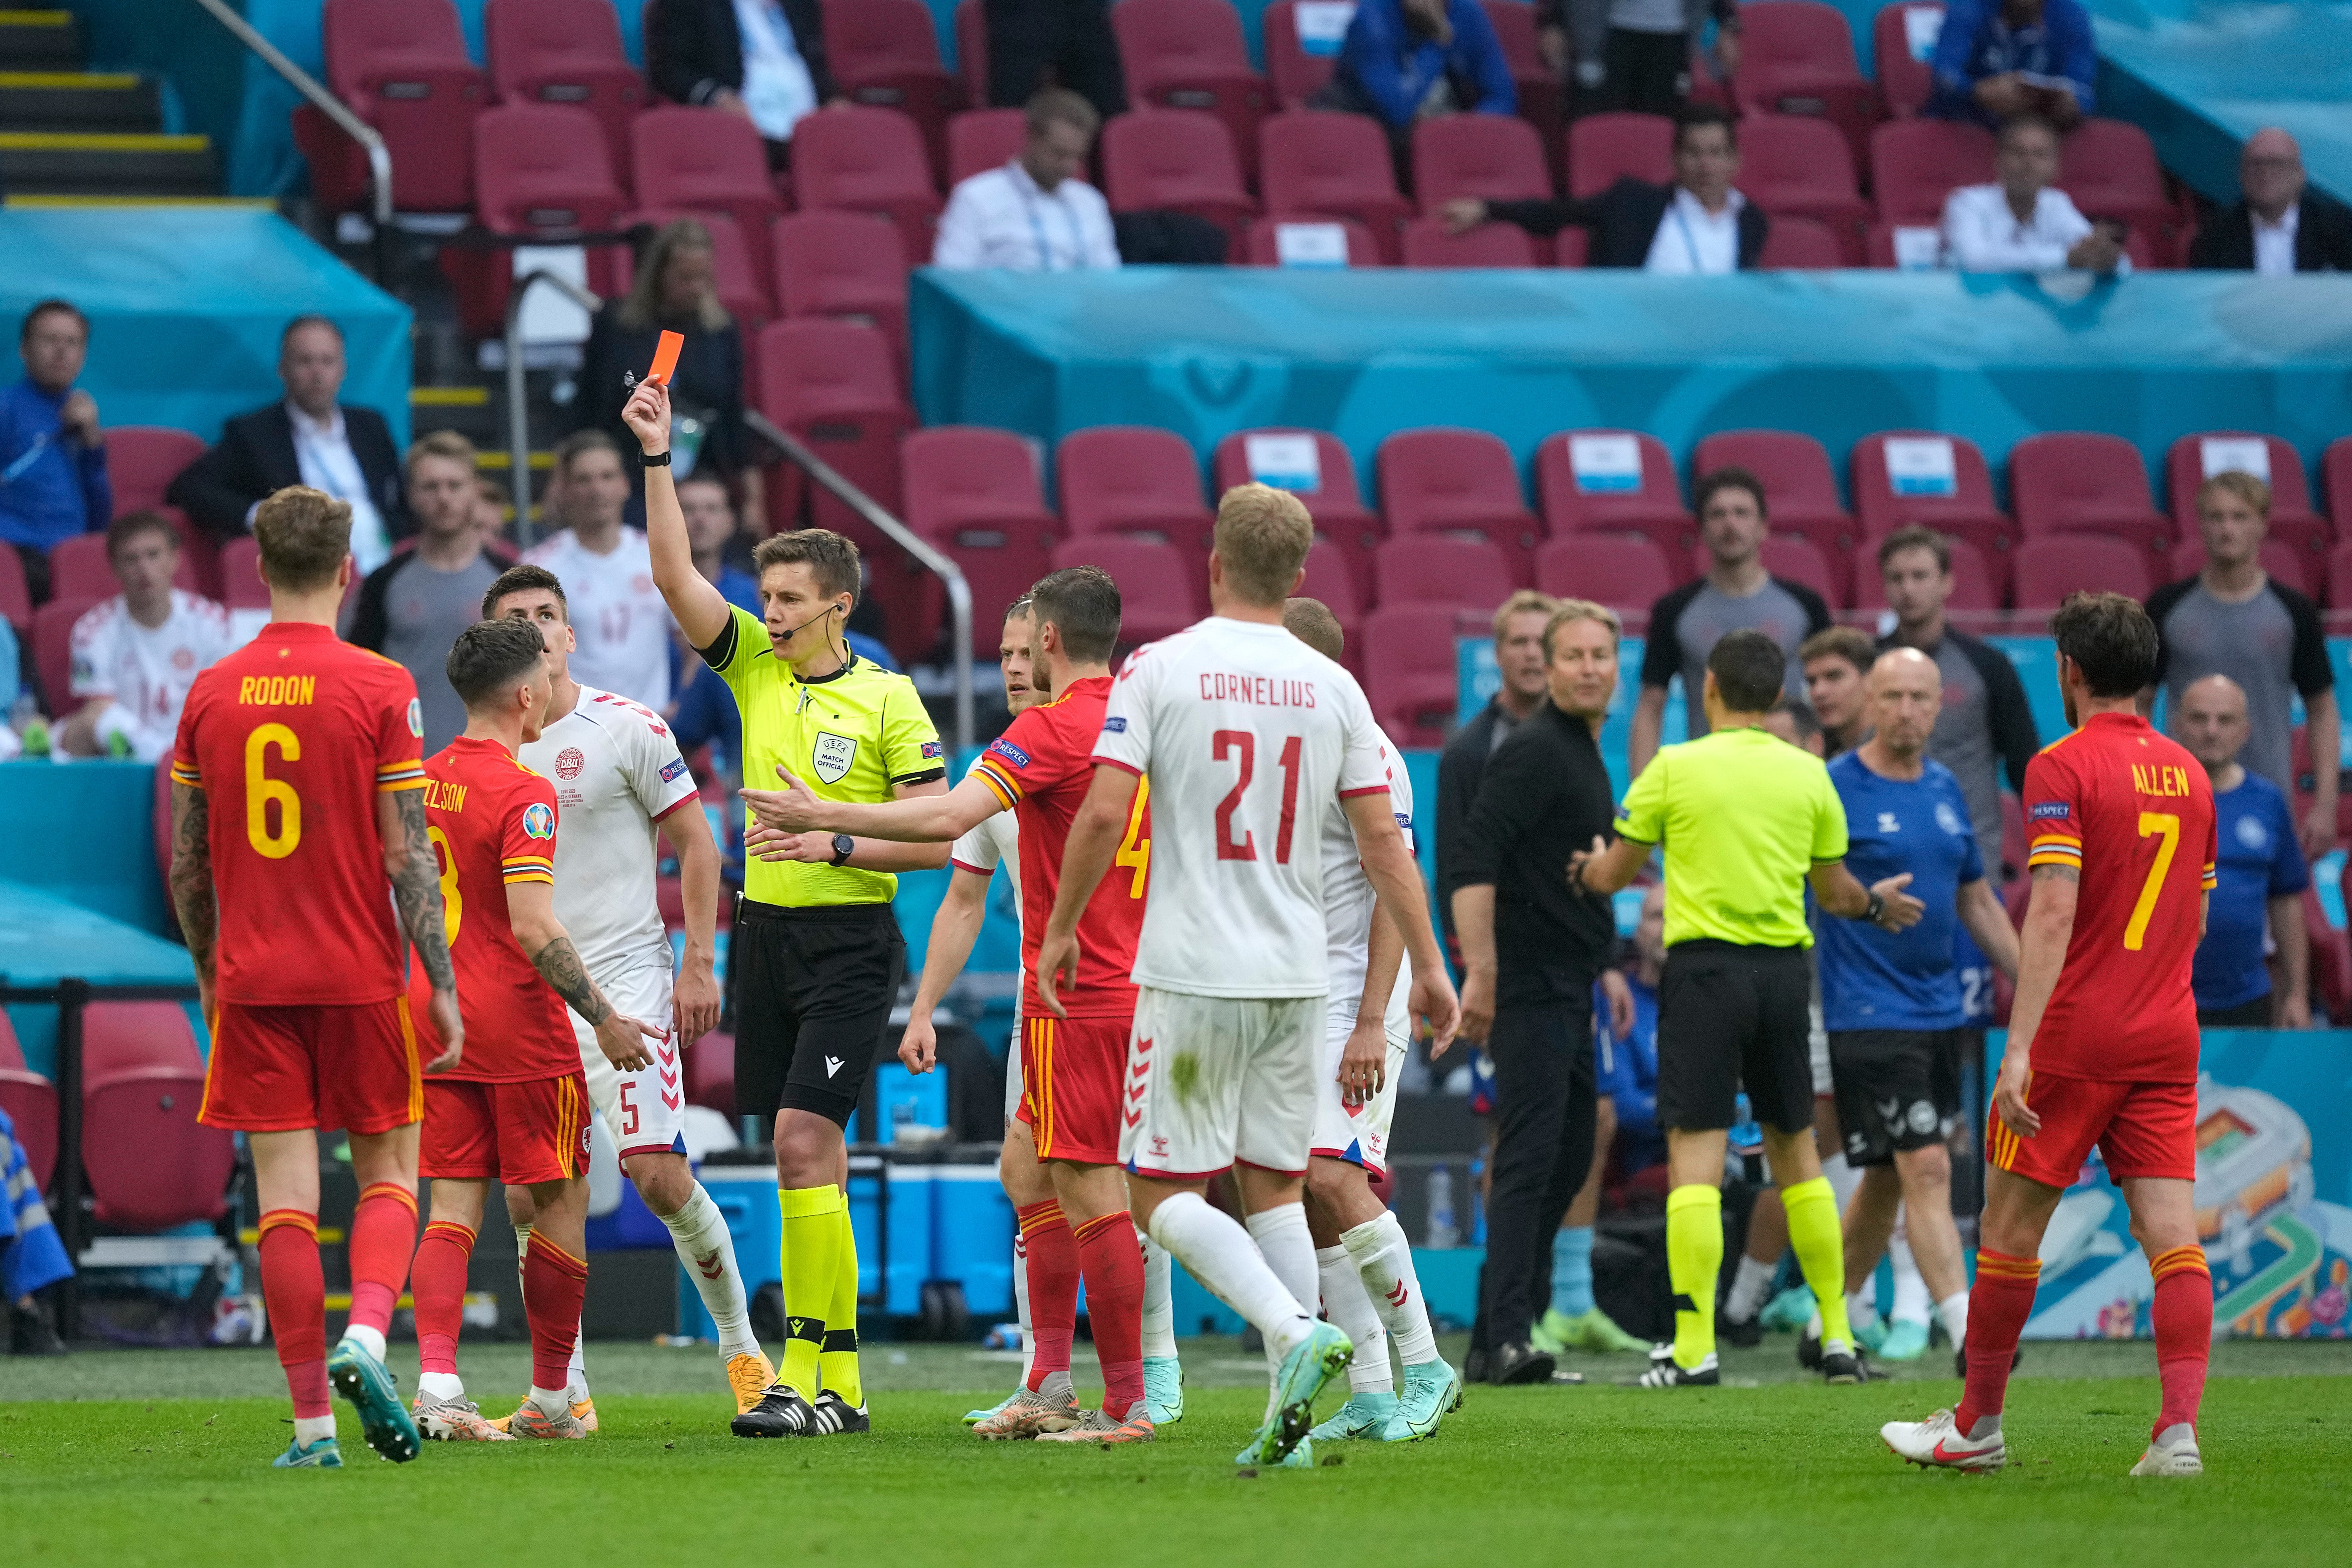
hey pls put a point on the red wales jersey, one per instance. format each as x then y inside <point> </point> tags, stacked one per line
<point>493,822</point>
<point>2134,812</point>
<point>293,738</point>
<point>1042,767</point>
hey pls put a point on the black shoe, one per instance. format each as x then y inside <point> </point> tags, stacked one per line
<point>781,1413</point>
<point>1747,1333</point>
<point>1666,1372</point>
<point>1960,1361</point>
<point>1841,1365</point>
<point>1518,1363</point>
<point>834,1413</point>
<point>1809,1349</point>
<point>1476,1365</point>
<point>29,1331</point>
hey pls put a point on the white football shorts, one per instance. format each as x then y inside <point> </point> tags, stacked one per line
<point>1214,1080</point>
<point>1361,1136</point>
<point>644,1111</point>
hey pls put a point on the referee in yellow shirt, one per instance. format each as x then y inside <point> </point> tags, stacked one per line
<point>816,955</point>
<point>1747,821</point>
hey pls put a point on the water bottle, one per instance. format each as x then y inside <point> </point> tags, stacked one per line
<point>1442,1231</point>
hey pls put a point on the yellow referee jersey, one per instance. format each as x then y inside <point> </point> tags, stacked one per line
<point>853,735</point>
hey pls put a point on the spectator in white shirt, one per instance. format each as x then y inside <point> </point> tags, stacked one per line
<point>607,573</point>
<point>135,655</point>
<point>1034,214</point>
<point>2023,223</point>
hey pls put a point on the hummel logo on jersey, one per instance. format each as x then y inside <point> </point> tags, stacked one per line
<point>832,1066</point>
<point>1886,822</point>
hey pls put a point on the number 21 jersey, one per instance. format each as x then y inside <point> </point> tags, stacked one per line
<point>1248,735</point>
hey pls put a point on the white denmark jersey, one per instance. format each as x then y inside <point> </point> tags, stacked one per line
<point>1250,738</point>
<point>1349,905</point>
<point>996,842</point>
<point>616,771</point>
<point>617,612</point>
<point>147,670</point>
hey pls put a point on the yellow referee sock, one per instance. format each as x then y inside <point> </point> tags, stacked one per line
<point>1693,1259</point>
<point>837,1360</point>
<point>810,1255</point>
<point>1813,1233</point>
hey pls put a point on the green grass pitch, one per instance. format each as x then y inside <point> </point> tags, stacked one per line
<point>135,1458</point>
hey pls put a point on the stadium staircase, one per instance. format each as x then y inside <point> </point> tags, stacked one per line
<point>71,135</point>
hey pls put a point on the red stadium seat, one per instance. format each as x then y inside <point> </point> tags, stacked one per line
<point>1915,164</point>
<point>1796,57</point>
<point>843,264</point>
<point>1426,244</point>
<point>565,51</point>
<point>1603,149</point>
<point>1135,479</point>
<point>867,160</point>
<point>53,653</point>
<point>402,67</point>
<point>142,461</point>
<point>1330,579</point>
<point>2331,955</point>
<point>974,493</point>
<point>16,597</point>
<point>979,140</point>
<point>1433,569</point>
<point>1176,160</point>
<point>150,1166</point>
<point>1460,484</point>
<point>1262,244</point>
<point>1488,156</point>
<point>834,385</point>
<point>1412,671</point>
<point>2339,576</point>
<point>1297,64</point>
<point>1543,96</point>
<point>2108,167</point>
<point>240,574</point>
<point>1327,488</point>
<point>1795,168</point>
<point>1962,507</point>
<point>972,50</point>
<point>710,1073</point>
<point>1799,491</point>
<point>693,159</point>
<point>1588,484</point>
<point>1800,245</point>
<point>2078,482</point>
<point>1334,164</point>
<point>2186,466</point>
<point>539,173</point>
<point>2280,560</point>
<point>886,54</point>
<point>1570,246</point>
<point>1160,593</point>
<point>1798,560</point>
<point>30,1100</point>
<point>2051,566</point>
<point>1976,592</point>
<point>1906,80</point>
<point>1623,570</point>
<point>1189,54</point>
<point>2336,480</point>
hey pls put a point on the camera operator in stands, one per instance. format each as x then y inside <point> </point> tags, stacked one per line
<point>53,482</point>
<point>2280,225</point>
<point>2022,221</point>
<point>1996,58</point>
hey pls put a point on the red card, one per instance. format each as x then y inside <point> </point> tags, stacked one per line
<point>666,357</point>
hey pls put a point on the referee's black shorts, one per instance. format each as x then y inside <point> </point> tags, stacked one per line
<point>1733,1016</point>
<point>813,992</point>
<point>1896,1088</point>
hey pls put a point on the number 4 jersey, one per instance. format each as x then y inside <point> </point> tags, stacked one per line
<point>2134,813</point>
<point>1247,735</point>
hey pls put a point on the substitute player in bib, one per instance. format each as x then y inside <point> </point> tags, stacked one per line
<point>516,1108</point>
<point>2102,1036</point>
<point>297,791</point>
<point>619,782</point>
<point>1073,1063</point>
<point>1247,735</point>
<point>1362,1257</point>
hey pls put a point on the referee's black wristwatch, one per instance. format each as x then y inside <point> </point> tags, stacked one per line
<point>654,459</point>
<point>1875,907</point>
<point>844,847</point>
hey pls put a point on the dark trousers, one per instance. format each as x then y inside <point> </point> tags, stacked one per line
<point>1649,73</point>
<point>2253,1014</point>
<point>1543,1152</point>
<point>1070,38</point>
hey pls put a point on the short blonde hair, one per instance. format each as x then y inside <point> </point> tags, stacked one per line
<point>445,444</point>
<point>1263,535</point>
<point>2243,486</point>
<point>304,535</point>
<point>1526,601</point>
<point>1565,612</point>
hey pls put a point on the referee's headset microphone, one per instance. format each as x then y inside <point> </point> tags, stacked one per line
<point>791,632</point>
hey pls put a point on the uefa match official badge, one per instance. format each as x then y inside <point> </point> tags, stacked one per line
<point>831,755</point>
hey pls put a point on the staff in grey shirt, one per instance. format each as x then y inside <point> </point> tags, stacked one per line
<point>1736,595</point>
<point>2233,618</point>
<point>413,606</point>
<point>1986,724</point>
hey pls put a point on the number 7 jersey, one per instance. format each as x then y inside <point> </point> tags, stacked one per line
<point>1247,735</point>
<point>2132,812</point>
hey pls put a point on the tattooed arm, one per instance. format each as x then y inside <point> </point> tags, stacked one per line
<point>192,884</point>
<point>530,910</point>
<point>416,873</point>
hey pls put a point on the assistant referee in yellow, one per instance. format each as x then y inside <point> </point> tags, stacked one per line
<point>815,955</point>
<point>1748,822</point>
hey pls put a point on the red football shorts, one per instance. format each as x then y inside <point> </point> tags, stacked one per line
<point>521,1133</point>
<point>279,1070</point>
<point>1070,1079</point>
<point>2141,1128</point>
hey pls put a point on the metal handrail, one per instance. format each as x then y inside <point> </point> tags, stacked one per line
<point>825,476</point>
<point>379,156</point>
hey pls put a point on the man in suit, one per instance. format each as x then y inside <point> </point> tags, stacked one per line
<point>307,439</point>
<point>1697,225</point>
<point>764,60</point>
<point>2278,227</point>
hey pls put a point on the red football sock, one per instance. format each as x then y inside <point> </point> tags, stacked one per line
<point>383,1235</point>
<point>554,1284</point>
<point>1999,1304</point>
<point>1113,1266</point>
<point>294,1289</point>
<point>438,1281</point>
<point>2184,1332</point>
<point>1052,1286</point>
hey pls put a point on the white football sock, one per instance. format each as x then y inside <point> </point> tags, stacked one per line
<point>367,1339</point>
<point>308,1429</point>
<point>698,1232</point>
<point>1861,1306</point>
<point>1288,1248</point>
<point>1159,1301</point>
<point>522,1250</point>
<point>1222,1256</point>
<point>1349,1305</point>
<point>1384,1260</point>
<point>553,1403</point>
<point>1911,1301</point>
<point>441,1385</point>
<point>1953,1310</point>
<point>1021,1305</point>
<point>1748,1284</point>
<point>1844,1179</point>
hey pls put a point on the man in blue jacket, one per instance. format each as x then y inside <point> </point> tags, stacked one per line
<point>53,481</point>
<point>1999,58</point>
<point>1406,60</point>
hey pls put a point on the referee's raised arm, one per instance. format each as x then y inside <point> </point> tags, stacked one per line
<point>699,608</point>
